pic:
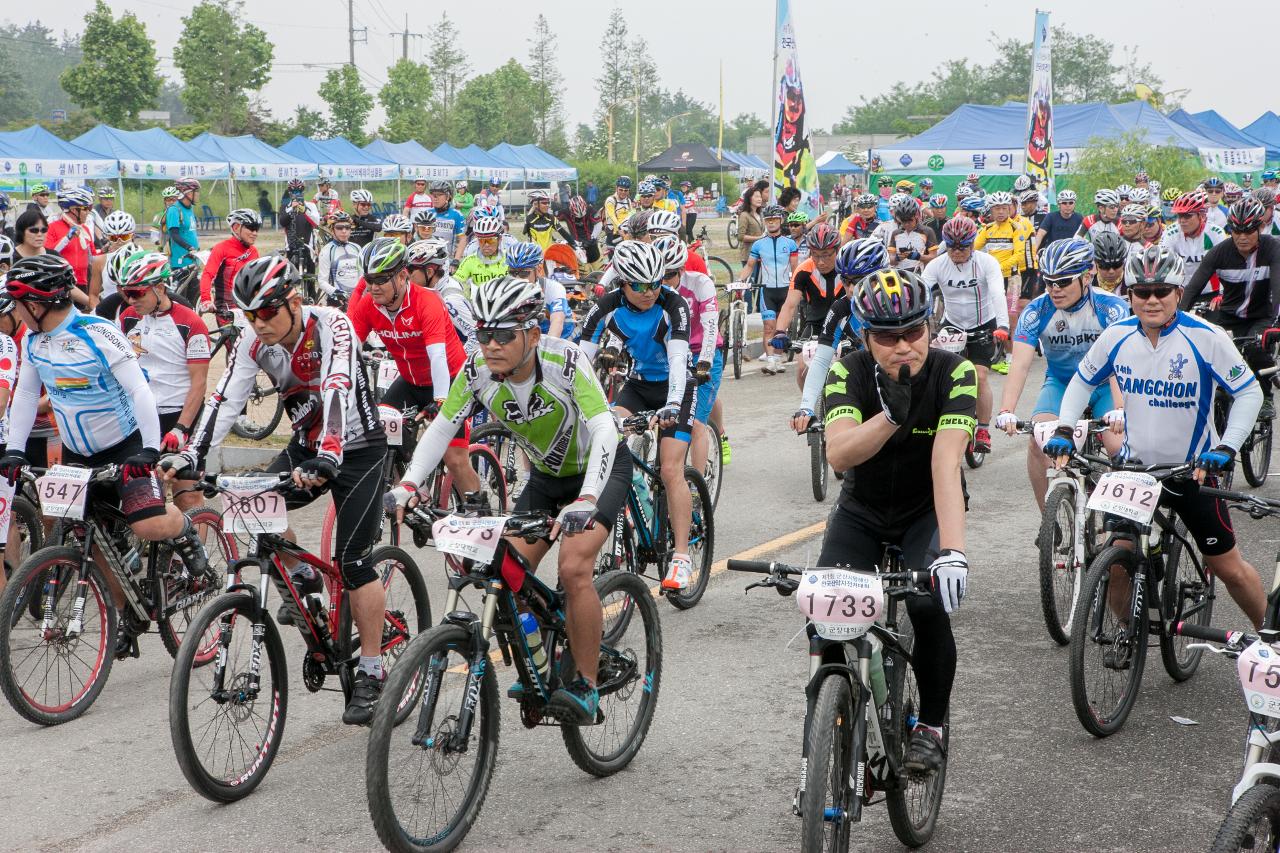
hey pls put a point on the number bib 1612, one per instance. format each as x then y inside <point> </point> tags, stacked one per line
<point>62,491</point>
<point>1128,494</point>
<point>841,604</point>
<point>469,538</point>
<point>1259,670</point>
<point>250,509</point>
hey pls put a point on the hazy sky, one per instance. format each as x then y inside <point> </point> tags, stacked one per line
<point>845,50</point>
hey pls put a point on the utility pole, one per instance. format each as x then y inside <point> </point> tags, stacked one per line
<point>351,32</point>
<point>406,35</point>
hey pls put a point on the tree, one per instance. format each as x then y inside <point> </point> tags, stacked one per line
<point>39,60</point>
<point>116,78</point>
<point>548,88</point>
<point>743,127</point>
<point>1110,162</point>
<point>614,83</point>
<point>405,98</point>
<point>349,103</point>
<point>449,69</point>
<point>305,122</point>
<point>16,101</point>
<point>171,100</point>
<point>496,107</point>
<point>222,60</point>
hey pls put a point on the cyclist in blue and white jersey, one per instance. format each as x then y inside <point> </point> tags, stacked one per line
<point>774,255</point>
<point>1216,211</point>
<point>1168,365</point>
<point>652,322</point>
<point>450,224</point>
<point>524,261</point>
<point>1064,322</point>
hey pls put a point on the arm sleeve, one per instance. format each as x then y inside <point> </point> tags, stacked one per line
<point>704,292</point>
<point>1244,412</point>
<point>433,443</point>
<point>22,410</point>
<point>996,300</point>
<point>1074,400</point>
<point>337,390</point>
<point>436,327</point>
<point>228,398</point>
<point>175,236</point>
<point>324,270</point>
<point>818,368</point>
<point>677,370</point>
<point>602,433</point>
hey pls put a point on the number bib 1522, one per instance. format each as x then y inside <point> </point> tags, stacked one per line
<point>841,604</point>
<point>469,538</point>
<point>951,340</point>
<point>1259,670</point>
<point>62,491</point>
<point>392,425</point>
<point>1128,494</point>
<point>250,509</point>
<point>1043,431</point>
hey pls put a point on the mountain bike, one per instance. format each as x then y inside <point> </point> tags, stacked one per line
<point>953,339</point>
<point>713,472</point>
<point>427,781</point>
<point>731,232</point>
<point>58,619</point>
<point>733,324</point>
<point>264,408</point>
<point>718,269</point>
<point>226,721</point>
<point>26,522</point>
<point>862,702</point>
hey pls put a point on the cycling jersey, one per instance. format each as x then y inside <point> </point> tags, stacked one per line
<point>559,416</point>
<point>855,227</point>
<point>616,211</point>
<point>1091,225</point>
<point>907,247</point>
<point>419,336</point>
<point>1004,242</point>
<point>773,256</point>
<point>541,228</point>
<point>99,393</point>
<point>657,338</point>
<point>1058,227</point>
<point>338,267</point>
<point>817,290</point>
<point>298,225</point>
<point>321,383</point>
<point>225,260</point>
<point>1217,215</point>
<point>183,219</point>
<point>364,228</point>
<point>802,249</point>
<point>973,293</point>
<point>417,201</point>
<point>1246,282</point>
<point>449,224</point>
<point>1168,387</point>
<point>477,269</point>
<point>460,312</point>
<point>699,291</point>
<point>557,301</point>
<point>165,343</point>
<point>77,248</point>
<point>1064,335</point>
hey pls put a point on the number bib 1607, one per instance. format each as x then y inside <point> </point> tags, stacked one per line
<point>250,509</point>
<point>1043,431</point>
<point>1259,670</point>
<point>63,490</point>
<point>469,538</point>
<point>392,425</point>
<point>841,604</point>
<point>1128,494</point>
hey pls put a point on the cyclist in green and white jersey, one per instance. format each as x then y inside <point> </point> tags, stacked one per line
<point>544,390</point>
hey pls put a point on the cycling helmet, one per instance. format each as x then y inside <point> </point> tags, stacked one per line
<point>646,188</point>
<point>494,182</point>
<point>7,251</point>
<point>74,197</point>
<point>361,197</point>
<point>686,185</point>
<point>539,195</point>
<point>145,269</point>
<point>639,262</point>
<point>4,202</point>
<point>773,211</point>
<point>1134,211</point>
<point>663,221</point>
<point>1154,188</point>
<point>106,191</point>
<point>1110,249</point>
<point>637,223</point>
<point>884,181</point>
<point>1245,215</point>
<point>396,224</point>
<point>340,216</point>
<point>441,187</point>
<point>117,261</point>
<point>963,191</point>
<point>972,178</point>
<point>169,192</point>
<point>926,183</point>
<point>1140,196</point>
<point>1022,183</point>
<point>1106,198</point>
<point>1066,196</point>
<point>1270,175</point>
<point>487,226</point>
<point>186,185</point>
<point>1141,177</point>
<point>1028,195</point>
<point>294,185</point>
<point>823,236</point>
<point>1171,194</point>
<point>974,204</point>
<point>959,232</point>
<point>661,182</point>
<point>577,207</point>
<point>798,218</point>
<point>424,216</point>
<point>1265,196</point>
<point>889,300</point>
<point>523,256</point>
<point>861,257</point>
<point>623,181</point>
<point>938,200</point>
<point>460,186</point>
<point>422,253</point>
<point>39,189</point>
<point>674,252</point>
<point>866,200</point>
<point>265,282</point>
<point>905,207</point>
<point>46,278</point>
<point>1193,202</point>
<point>383,256</point>
<point>1213,182</point>
<point>6,304</point>
<point>1230,188</point>
<point>904,186</point>
<point>1124,191</point>
<point>244,216</point>
<point>508,301</point>
<point>118,223</point>
<point>1000,197</point>
<point>1154,265</point>
<point>1066,259</point>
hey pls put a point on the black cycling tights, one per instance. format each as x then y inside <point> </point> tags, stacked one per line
<point>853,542</point>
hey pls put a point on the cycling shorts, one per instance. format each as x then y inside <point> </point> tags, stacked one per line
<point>706,393</point>
<point>981,352</point>
<point>552,494</point>
<point>1050,400</point>
<point>641,395</point>
<point>140,498</point>
<point>773,297</point>
<point>402,394</point>
<point>1207,519</point>
<point>357,497</point>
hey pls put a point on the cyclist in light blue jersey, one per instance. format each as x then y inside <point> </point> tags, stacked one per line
<point>772,262</point>
<point>524,261</point>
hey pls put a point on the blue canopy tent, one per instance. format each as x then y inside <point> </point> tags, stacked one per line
<point>416,161</point>
<point>749,165</point>
<point>1265,127</point>
<point>251,159</point>
<point>339,160</point>
<point>1212,120</point>
<point>538,165</point>
<point>481,165</point>
<point>835,163</point>
<point>35,154</point>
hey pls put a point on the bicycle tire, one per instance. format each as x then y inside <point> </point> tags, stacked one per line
<point>720,270</point>
<point>831,734</point>
<point>731,232</point>
<point>238,608</point>
<point>1180,661</point>
<point>1256,461</point>
<point>738,335</point>
<point>1093,604</point>
<point>30,527</point>
<point>1260,805</point>
<point>16,615</point>
<point>588,757</point>
<point>714,470</point>
<point>421,653</point>
<point>258,430</point>
<point>514,461</point>
<point>913,830</point>
<point>1059,571</point>
<point>172,626</point>
<point>492,478</point>
<point>702,539</point>
<point>973,458</point>
<point>819,472</point>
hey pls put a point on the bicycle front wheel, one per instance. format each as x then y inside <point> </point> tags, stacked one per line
<point>1253,823</point>
<point>492,478</point>
<point>818,470</point>
<point>511,457</point>
<point>1256,461</point>
<point>737,339</point>
<point>714,469</point>
<point>1060,572</point>
<point>1108,646</point>
<point>186,594</point>
<point>425,785</point>
<point>826,799</point>
<point>731,232</point>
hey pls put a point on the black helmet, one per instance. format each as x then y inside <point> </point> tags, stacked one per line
<point>46,278</point>
<point>1245,215</point>
<point>1110,249</point>
<point>265,282</point>
<point>889,299</point>
<point>1154,265</point>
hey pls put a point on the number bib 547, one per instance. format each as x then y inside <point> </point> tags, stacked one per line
<point>841,604</point>
<point>62,491</point>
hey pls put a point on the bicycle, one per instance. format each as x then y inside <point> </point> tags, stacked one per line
<point>862,702</point>
<point>244,697</point>
<point>264,398</point>
<point>731,232</point>
<point>713,471</point>
<point>57,648</point>
<point>733,323</point>
<point>1110,629</point>
<point>720,270</point>
<point>407,776</point>
<point>25,518</point>
<point>953,339</point>
<point>1255,453</point>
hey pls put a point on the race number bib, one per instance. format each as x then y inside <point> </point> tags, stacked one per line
<point>809,349</point>
<point>392,424</point>
<point>62,491</point>
<point>1128,494</point>
<point>951,340</point>
<point>841,604</point>
<point>468,538</point>
<point>387,373</point>
<point>249,509</point>
<point>1043,431</point>
<point>6,508</point>
<point>1259,670</point>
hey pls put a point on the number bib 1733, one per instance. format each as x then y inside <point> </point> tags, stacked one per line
<point>841,604</point>
<point>1128,494</point>
<point>62,491</point>
<point>392,425</point>
<point>250,509</point>
<point>388,373</point>
<point>469,538</point>
<point>1259,670</point>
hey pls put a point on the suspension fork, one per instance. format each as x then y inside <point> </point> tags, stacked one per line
<point>75,625</point>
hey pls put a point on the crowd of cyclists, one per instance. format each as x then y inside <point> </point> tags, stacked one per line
<point>1136,309</point>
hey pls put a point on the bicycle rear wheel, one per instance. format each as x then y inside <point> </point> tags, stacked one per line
<point>30,529</point>
<point>512,459</point>
<point>913,810</point>
<point>1108,648</point>
<point>720,270</point>
<point>731,232</point>
<point>1186,595</point>
<point>702,540</point>
<point>1060,572</point>
<point>1253,823</point>
<point>262,412</point>
<point>492,479</point>
<point>737,339</point>
<point>818,469</point>
<point>1256,460</point>
<point>425,785</point>
<point>826,798</point>
<point>715,463</point>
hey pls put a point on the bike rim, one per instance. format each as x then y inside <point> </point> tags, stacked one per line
<point>625,676</point>
<point>1066,573</point>
<point>401,623</point>
<point>922,794</point>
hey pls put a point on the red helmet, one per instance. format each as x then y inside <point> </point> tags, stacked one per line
<point>823,236</point>
<point>959,232</point>
<point>186,185</point>
<point>577,207</point>
<point>1193,202</point>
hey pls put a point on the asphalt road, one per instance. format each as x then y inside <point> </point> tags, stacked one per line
<point>719,767</point>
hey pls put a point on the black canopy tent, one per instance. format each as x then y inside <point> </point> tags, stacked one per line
<point>687,157</point>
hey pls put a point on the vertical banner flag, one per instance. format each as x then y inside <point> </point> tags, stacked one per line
<point>793,163</point>
<point>1040,109</point>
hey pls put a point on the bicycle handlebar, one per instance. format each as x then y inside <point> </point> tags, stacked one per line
<point>768,567</point>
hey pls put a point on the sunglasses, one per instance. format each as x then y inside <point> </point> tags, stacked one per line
<point>266,313</point>
<point>245,226</point>
<point>135,292</point>
<point>1144,293</point>
<point>37,230</point>
<point>1109,267</point>
<point>379,280</point>
<point>335,228</point>
<point>890,339</point>
<point>502,336</point>
<point>1058,283</point>
<point>1127,220</point>
<point>643,286</point>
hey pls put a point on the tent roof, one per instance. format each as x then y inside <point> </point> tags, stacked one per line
<point>538,164</point>
<point>1190,122</point>
<point>252,159</point>
<point>750,165</point>
<point>36,154</point>
<point>1267,128</point>
<point>415,161</point>
<point>835,163</point>
<point>339,160</point>
<point>688,157</point>
<point>480,163</point>
<point>1212,120</point>
<point>153,154</point>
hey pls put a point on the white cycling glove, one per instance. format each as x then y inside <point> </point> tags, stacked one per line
<point>950,577</point>
<point>1006,420</point>
<point>577,517</point>
<point>1115,417</point>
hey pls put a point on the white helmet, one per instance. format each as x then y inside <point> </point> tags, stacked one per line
<point>421,253</point>
<point>487,226</point>
<point>361,197</point>
<point>674,252</point>
<point>1000,197</point>
<point>244,216</point>
<point>119,223</point>
<point>1124,191</point>
<point>1139,195</point>
<point>74,197</point>
<point>639,262</point>
<point>1106,197</point>
<point>539,195</point>
<point>1066,195</point>
<point>396,224</point>
<point>507,301</point>
<point>664,221</point>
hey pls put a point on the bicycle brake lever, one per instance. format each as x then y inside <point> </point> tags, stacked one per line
<point>751,586</point>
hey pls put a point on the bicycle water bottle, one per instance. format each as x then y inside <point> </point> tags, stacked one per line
<point>641,487</point>
<point>533,639</point>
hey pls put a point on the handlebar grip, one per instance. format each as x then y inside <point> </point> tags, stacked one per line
<point>1206,632</point>
<point>762,567</point>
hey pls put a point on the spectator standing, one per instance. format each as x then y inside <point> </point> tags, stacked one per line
<point>750,225</point>
<point>593,194</point>
<point>265,210</point>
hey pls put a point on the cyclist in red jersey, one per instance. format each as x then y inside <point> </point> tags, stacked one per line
<point>414,325</point>
<point>72,237</point>
<point>226,259</point>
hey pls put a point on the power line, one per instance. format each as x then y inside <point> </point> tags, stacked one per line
<point>407,35</point>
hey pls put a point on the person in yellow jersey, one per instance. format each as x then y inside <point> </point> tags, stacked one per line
<point>1004,240</point>
<point>617,208</point>
<point>662,196</point>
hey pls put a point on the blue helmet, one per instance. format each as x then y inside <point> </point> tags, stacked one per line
<point>974,204</point>
<point>1269,175</point>
<point>861,257</point>
<point>523,256</point>
<point>624,182</point>
<point>1066,258</point>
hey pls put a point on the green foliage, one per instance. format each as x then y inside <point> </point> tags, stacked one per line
<point>449,68</point>
<point>188,132</point>
<point>496,107</point>
<point>548,88</point>
<point>1110,162</point>
<point>221,60</point>
<point>116,77</point>
<point>405,98</point>
<point>16,101</point>
<point>349,103</point>
<point>39,60</point>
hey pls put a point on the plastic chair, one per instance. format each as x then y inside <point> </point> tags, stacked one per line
<point>207,220</point>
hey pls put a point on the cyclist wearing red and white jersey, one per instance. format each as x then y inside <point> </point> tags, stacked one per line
<point>862,222</point>
<point>1193,236</point>
<point>419,199</point>
<point>1107,202</point>
<point>225,260</point>
<point>71,237</point>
